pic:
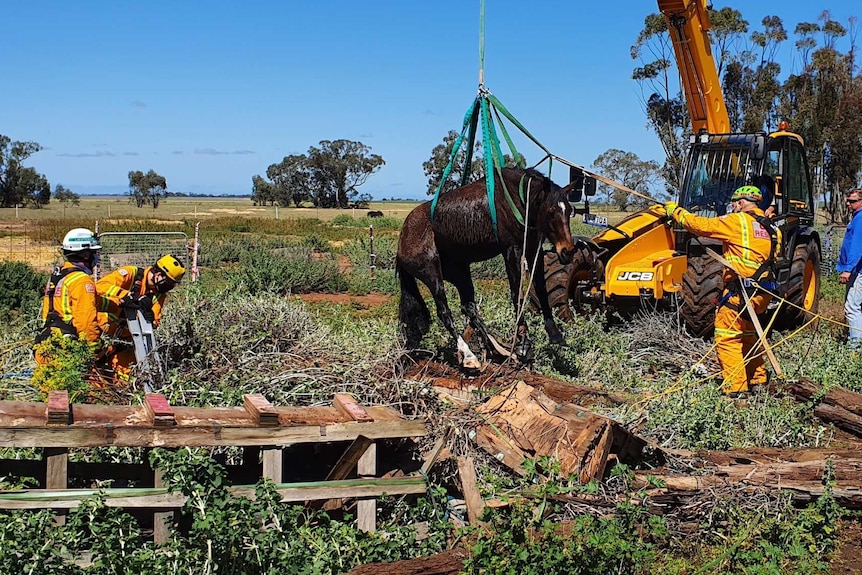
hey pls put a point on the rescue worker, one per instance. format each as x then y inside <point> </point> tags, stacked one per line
<point>750,242</point>
<point>133,288</point>
<point>71,303</point>
<point>849,267</point>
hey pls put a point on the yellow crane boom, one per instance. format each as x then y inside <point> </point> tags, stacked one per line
<point>688,25</point>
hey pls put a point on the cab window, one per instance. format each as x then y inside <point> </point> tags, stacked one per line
<point>796,189</point>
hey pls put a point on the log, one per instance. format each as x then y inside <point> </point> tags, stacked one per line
<point>449,562</point>
<point>806,389</point>
<point>522,422</point>
<point>842,418</point>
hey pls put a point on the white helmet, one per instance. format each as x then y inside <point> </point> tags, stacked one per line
<point>80,239</point>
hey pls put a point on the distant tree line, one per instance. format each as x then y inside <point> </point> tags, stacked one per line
<point>328,176</point>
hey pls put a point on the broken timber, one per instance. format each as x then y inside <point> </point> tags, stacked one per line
<point>839,405</point>
<point>522,422</point>
<point>263,429</point>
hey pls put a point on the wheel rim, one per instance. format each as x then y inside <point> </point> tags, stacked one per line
<point>809,283</point>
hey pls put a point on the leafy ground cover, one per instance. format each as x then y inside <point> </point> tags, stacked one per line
<point>279,311</point>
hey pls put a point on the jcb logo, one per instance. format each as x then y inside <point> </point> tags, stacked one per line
<point>635,276</point>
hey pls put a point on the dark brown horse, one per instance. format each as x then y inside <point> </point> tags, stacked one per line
<point>462,233</point>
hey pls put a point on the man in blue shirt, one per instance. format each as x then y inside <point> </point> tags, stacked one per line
<point>849,266</point>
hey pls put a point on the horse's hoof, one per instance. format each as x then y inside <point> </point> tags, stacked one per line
<point>524,351</point>
<point>471,364</point>
<point>555,336</point>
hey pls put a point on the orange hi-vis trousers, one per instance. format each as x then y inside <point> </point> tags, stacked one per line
<point>735,337</point>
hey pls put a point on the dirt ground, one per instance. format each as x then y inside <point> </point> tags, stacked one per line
<point>848,559</point>
<point>369,301</point>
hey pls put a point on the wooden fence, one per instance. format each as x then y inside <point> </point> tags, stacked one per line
<point>262,430</point>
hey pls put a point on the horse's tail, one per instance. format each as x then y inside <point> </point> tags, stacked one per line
<point>413,315</point>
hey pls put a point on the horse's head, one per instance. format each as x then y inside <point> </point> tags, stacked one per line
<point>554,216</point>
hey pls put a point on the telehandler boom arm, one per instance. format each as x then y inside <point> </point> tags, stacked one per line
<point>688,25</point>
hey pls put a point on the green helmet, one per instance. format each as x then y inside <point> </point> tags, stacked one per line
<point>750,193</point>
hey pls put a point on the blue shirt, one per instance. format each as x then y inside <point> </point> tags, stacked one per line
<point>850,258</point>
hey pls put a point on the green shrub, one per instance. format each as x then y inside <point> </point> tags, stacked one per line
<point>21,287</point>
<point>315,243</point>
<point>291,270</point>
<point>358,251</point>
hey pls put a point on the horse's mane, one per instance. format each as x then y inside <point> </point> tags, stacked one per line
<point>547,184</point>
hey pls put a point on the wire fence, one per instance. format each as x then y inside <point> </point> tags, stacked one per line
<point>30,243</point>
<point>831,240</point>
<point>34,244</point>
<point>141,249</point>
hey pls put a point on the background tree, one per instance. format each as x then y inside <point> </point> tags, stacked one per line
<point>337,168</point>
<point>291,179</point>
<point>262,191</point>
<point>19,184</point>
<point>66,196</point>
<point>436,164</point>
<point>147,189</point>
<point>824,107</point>
<point>627,169</point>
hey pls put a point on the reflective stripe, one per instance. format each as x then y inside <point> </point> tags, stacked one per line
<point>727,332</point>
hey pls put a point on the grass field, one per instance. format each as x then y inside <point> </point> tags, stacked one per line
<point>119,207</point>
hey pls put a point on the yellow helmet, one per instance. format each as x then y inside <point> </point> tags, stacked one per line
<point>171,267</point>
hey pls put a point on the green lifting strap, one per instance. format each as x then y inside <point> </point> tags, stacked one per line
<point>471,137</point>
<point>489,161</point>
<point>468,121</point>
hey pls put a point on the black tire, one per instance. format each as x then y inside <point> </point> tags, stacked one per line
<point>803,287</point>
<point>561,279</point>
<point>702,285</point>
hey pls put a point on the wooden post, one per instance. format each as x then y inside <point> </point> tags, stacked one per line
<point>57,473</point>
<point>472,497</point>
<point>160,529</point>
<point>366,509</point>
<point>272,463</point>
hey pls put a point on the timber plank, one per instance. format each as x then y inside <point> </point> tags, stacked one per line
<point>57,411</point>
<point>260,410</point>
<point>201,436</point>
<point>159,498</point>
<point>159,411</point>
<point>348,407</point>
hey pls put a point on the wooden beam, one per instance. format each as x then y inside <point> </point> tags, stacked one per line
<point>161,533</point>
<point>350,458</point>
<point>201,434</point>
<point>159,411</point>
<point>366,508</point>
<point>262,411</point>
<point>349,408</point>
<point>159,498</point>
<point>56,473</point>
<point>472,497</point>
<point>345,465</point>
<point>58,411</point>
<point>273,462</point>
<point>432,456</point>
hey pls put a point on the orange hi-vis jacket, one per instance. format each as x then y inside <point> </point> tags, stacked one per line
<point>117,285</point>
<point>746,242</point>
<point>76,304</point>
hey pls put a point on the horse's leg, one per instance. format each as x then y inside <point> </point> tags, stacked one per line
<point>468,359</point>
<point>458,273</point>
<point>555,336</point>
<point>523,347</point>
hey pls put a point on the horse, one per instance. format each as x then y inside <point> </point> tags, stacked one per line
<point>461,233</point>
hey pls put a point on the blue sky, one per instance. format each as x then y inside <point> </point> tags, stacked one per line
<point>210,93</point>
